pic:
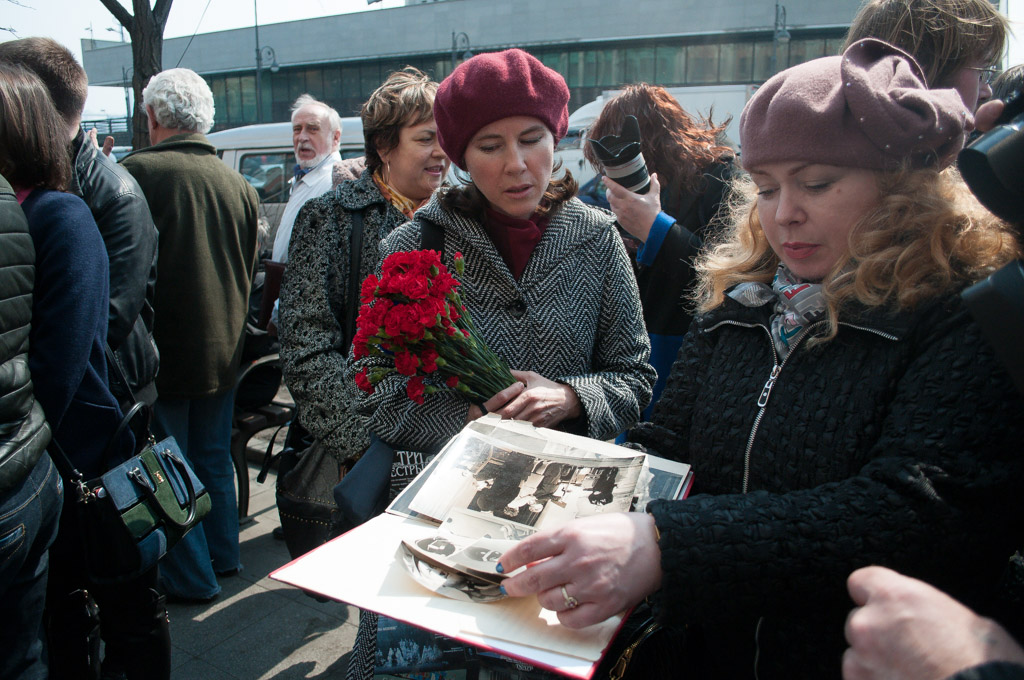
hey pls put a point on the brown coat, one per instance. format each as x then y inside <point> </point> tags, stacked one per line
<point>206,214</point>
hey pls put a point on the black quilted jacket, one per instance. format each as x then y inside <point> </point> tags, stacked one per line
<point>897,443</point>
<point>24,432</point>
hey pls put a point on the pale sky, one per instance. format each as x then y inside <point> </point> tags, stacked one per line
<point>69,21</point>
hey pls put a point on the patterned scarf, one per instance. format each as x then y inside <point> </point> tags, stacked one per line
<point>406,206</point>
<point>797,304</point>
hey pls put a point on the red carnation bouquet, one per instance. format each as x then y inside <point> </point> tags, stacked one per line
<point>413,314</point>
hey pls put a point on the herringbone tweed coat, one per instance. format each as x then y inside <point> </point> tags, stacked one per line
<point>573,316</point>
<point>314,307</point>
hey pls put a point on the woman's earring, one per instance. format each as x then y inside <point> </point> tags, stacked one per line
<point>387,172</point>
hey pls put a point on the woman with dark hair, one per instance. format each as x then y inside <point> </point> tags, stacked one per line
<point>690,168</point>
<point>839,405</point>
<point>404,165</point>
<point>69,374</point>
<point>546,278</point>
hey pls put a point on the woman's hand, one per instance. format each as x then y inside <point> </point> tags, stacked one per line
<point>544,402</point>
<point>497,401</point>
<point>635,212</point>
<point>589,569</point>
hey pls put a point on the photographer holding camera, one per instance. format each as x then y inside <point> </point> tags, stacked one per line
<point>670,211</point>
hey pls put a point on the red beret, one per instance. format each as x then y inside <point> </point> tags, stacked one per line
<point>493,86</point>
<point>869,108</point>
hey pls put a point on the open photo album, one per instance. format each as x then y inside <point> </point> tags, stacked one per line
<point>430,559</point>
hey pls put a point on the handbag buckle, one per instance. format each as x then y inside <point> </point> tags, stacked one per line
<point>135,474</point>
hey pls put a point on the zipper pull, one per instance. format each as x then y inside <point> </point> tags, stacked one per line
<point>767,389</point>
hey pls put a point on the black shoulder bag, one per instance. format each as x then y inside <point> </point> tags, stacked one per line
<point>307,472</point>
<point>131,515</point>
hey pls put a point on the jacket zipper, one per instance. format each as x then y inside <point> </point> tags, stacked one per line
<point>762,403</point>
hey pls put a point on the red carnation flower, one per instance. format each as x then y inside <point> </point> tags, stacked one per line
<point>414,389</point>
<point>363,382</point>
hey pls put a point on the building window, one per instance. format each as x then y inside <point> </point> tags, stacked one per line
<point>315,83</point>
<point>639,65</point>
<point>736,64</point>
<point>233,110</point>
<point>805,50</point>
<point>763,51</point>
<point>609,67</point>
<point>369,79</point>
<point>220,102</point>
<point>248,87</point>
<point>670,66</point>
<point>702,64</point>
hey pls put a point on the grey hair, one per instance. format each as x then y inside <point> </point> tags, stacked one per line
<point>333,119</point>
<point>180,99</point>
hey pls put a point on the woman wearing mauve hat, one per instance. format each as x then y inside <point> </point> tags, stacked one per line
<point>547,278</point>
<point>839,405</point>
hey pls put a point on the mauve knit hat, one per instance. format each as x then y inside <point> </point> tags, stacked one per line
<point>489,87</point>
<point>869,108</point>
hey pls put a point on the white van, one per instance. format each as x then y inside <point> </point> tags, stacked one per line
<point>265,156</point>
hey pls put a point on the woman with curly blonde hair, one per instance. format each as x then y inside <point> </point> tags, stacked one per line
<point>927,236</point>
<point>837,402</point>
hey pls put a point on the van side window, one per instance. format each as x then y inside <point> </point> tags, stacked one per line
<point>268,173</point>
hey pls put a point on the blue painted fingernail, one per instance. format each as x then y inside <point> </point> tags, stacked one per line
<point>500,569</point>
<point>502,589</point>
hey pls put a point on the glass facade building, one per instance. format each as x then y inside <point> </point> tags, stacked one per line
<point>704,60</point>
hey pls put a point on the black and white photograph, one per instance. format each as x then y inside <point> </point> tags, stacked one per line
<point>540,490</point>
<point>447,583</point>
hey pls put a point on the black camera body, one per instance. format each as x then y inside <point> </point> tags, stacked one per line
<point>621,157</point>
<point>993,164</point>
<point>993,167</point>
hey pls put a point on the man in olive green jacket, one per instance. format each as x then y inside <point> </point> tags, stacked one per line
<point>207,217</point>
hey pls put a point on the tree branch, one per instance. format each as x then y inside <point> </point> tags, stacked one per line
<point>160,12</point>
<point>120,13</point>
<point>7,29</point>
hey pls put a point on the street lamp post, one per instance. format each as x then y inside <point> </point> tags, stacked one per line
<point>780,36</point>
<point>265,56</point>
<point>460,43</point>
<point>127,100</point>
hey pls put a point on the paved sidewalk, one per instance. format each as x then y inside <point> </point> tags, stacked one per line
<point>258,628</point>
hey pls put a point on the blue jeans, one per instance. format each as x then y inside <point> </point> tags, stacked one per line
<point>29,516</point>
<point>202,428</point>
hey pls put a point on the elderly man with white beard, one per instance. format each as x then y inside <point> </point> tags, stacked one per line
<point>316,135</point>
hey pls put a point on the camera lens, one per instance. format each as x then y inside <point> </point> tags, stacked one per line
<point>621,157</point>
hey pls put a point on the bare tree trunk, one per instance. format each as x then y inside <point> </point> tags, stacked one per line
<point>146,29</point>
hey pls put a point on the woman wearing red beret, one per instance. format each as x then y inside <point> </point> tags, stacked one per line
<point>547,278</point>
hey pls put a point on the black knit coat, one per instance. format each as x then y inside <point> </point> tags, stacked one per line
<point>896,443</point>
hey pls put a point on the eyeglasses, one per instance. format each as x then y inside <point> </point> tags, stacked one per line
<point>985,73</point>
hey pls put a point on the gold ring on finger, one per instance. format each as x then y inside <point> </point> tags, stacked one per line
<point>570,601</point>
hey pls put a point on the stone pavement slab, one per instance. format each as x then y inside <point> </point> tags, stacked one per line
<point>259,629</point>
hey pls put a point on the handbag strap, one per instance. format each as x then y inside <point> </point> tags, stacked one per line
<point>71,475</point>
<point>355,260</point>
<point>114,367</point>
